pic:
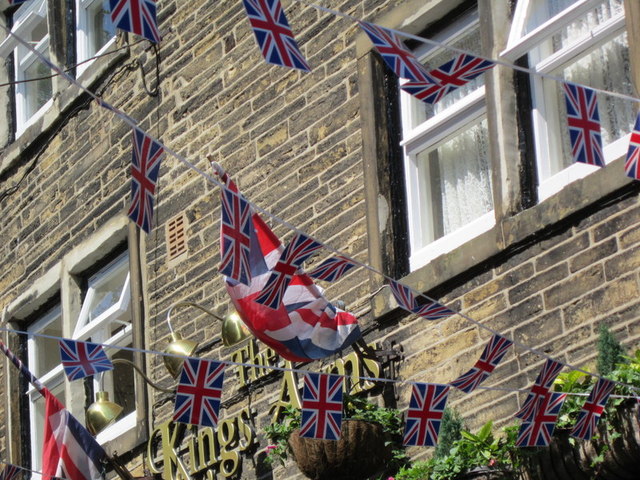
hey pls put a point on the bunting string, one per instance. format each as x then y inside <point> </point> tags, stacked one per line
<point>300,371</point>
<point>132,123</point>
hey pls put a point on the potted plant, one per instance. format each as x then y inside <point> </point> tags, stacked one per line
<point>370,443</point>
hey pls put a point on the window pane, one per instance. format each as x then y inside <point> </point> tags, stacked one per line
<point>469,41</point>
<point>102,30</point>
<point>106,288</point>
<point>46,350</point>
<point>123,382</point>
<point>38,92</point>
<point>544,10</point>
<point>458,180</point>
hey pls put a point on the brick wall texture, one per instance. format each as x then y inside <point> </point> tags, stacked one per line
<point>293,143</point>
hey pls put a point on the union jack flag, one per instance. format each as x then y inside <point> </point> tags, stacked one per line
<point>81,359</point>
<point>136,16</point>
<point>405,298</point>
<point>491,356</point>
<point>448,77</point>
<point>538,431</point>
<point>539,390</point>
<point>235,231</point>
<point>424,415</point>
<point>592,409</point>
<point>199,392</point>
<point>632,164</point>
<point>584,124</point>
<point>10,472</point>
<point>332,269</point>
<point>299,249</point>
<point>321,406</point>
<point>397,57</point>
<point>273,34</point>
<point>145,166</point>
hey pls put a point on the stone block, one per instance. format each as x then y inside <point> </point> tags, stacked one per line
<point>574,287</point>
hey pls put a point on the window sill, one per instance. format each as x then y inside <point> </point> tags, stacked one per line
<point>510,231</point>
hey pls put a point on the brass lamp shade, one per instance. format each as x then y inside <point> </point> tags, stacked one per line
<point>178,346</point>
<point>102,413</point>
<point>233,329</point>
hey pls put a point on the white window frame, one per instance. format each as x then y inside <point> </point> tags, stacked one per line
<point>466,113</point>
<point>83,35</point>
<point>546,124</point>
<point>25,19</point>
<point>96,330</point>
<point>51,379</point>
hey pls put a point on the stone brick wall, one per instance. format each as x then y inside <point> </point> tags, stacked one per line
<point>293,143</point>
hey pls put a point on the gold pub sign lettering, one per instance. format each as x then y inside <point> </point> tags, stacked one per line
<point>210,450</point>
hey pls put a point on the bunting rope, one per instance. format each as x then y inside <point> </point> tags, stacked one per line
<point>132,123</point>
<point>301,371</point>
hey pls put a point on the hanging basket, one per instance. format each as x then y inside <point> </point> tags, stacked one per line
<point>566,458</point>
<point>359,453</point>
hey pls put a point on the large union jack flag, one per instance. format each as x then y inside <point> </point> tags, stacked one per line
<point>235,231</point>
<point>199,392</point>
<point>632,164</point>
<point>332,269</point>
<point>145,167</point>
<point>321,406</point>
<point>136,16</point>
<point>592,409</point>
<point>81,359</point>
<point>538,431</point>
<point>406,299</point>
<point>584,124</point>
<point>10,472</point>
<point>397,57</point>
<point>297,251</point>
<point>539,390</point>
<point>448,77</point>
<point>273,34</point>
<point>424,416</point>
<point>491,356</point>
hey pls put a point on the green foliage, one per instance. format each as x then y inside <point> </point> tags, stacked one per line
<point>573,381</point>
<point>450,431</point>
<point>468,452</point>
<point>610,352</point>
<point>358,408</point>
<point>627,372</point>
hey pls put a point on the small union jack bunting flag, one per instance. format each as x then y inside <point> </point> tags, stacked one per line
<point>584,124</point>
<point>273,34</point>
<point>406,299</point>
<point>539,390</point>
<point>10,472</point>
<point>592,409</point>
<point>321,406</point>
<point>538,431</point>
<point>136,16</point>
<point>632,164</point>
<point>293,256</point>
<point>491,356</point>
<point>82,359</point>
<point>199,392</point>
<point>332,269</point>
<point>145,166</point>
<point>235,231</point>
<point>448,77</point>
<point>397,57</point>
<point>424,415</point>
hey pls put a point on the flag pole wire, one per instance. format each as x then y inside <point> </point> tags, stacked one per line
<point>500,62</point>
<point>132,123</point>
<point>294,370</point>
